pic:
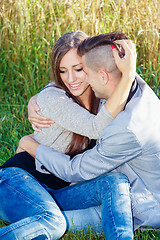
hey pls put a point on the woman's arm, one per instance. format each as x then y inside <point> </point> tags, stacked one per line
<point>127,65</point>
<point>38,121</point>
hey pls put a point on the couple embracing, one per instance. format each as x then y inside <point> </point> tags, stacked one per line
<point>98,127</point>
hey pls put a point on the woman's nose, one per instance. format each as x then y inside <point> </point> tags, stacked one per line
<point>71,77</point>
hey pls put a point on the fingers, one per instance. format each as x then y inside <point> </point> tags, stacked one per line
<point>127,62</point>
<point>35,105</point>
<point>37,127</point>
<point>36,118</point>
<point>128,49</point>
<point>115,54</point>
<point>127,45</point>
<point>39,122</point>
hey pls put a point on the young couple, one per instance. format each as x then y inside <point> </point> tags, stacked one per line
<point>30,199</point>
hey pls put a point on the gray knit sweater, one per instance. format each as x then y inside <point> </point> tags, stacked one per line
<point>69,117</point>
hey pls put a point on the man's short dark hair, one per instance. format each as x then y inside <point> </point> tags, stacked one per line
<point>100,40</point>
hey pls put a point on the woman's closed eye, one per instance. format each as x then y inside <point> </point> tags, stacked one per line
<point>79,69</point>
<point>62,71</point>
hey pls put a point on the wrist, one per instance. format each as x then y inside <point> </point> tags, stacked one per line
<point>29,145</point>
<point>128,77</point>
<point>127,73</point>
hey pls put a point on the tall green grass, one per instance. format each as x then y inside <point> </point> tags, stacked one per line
<point>28,31</point>
<point>29,28</point>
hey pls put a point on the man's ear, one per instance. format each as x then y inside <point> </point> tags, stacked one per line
<point>104,76</point>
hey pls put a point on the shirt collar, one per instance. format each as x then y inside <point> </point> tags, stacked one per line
<point>133,90</point>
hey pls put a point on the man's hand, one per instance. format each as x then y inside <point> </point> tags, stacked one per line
<point>127,63</point>
<point>28,144</point>
<point>35,119</point>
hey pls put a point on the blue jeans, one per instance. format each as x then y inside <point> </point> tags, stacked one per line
<point>37,212</point>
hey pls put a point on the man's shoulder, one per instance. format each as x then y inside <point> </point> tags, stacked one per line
<point>143,104</point>
<point>140,117</point>
<point>147,94</point>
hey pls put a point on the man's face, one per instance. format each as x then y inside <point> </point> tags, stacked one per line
<point>93,78</point>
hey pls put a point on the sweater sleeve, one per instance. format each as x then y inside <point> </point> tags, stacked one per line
<point>56,105</point>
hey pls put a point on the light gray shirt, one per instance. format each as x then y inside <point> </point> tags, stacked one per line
<point>131,145</point>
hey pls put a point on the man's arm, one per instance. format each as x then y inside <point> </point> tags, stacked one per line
<point>116,147</point>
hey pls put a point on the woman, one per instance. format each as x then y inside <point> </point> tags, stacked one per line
<point>40,217</point>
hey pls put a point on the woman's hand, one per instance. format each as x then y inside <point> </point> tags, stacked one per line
<point>35,119</point>
<point>28,144</point>
<point>126,63</point>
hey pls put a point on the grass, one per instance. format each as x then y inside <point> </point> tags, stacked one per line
<point>89,235</point>
<point>28,31</point>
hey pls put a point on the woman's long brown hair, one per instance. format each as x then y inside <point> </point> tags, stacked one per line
<point>65,43</point>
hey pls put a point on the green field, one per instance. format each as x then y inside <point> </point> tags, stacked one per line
<point>28,31</point>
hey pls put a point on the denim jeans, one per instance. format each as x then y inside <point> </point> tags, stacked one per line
<point>38,212</point>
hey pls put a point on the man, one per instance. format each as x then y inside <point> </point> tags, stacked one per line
<point>130,144</point>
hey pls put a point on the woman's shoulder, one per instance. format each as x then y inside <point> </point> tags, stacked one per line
<point>53,94</point>
<point>52,91</point>
<point>52,87</point>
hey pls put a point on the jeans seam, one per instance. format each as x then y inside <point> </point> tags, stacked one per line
<point>24,196</point>
<point>13,228</point>
<point>111,210</point>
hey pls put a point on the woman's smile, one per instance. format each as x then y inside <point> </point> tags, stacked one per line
<point>75,86</point>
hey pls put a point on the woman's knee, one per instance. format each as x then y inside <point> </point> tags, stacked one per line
<point>55,223</point>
